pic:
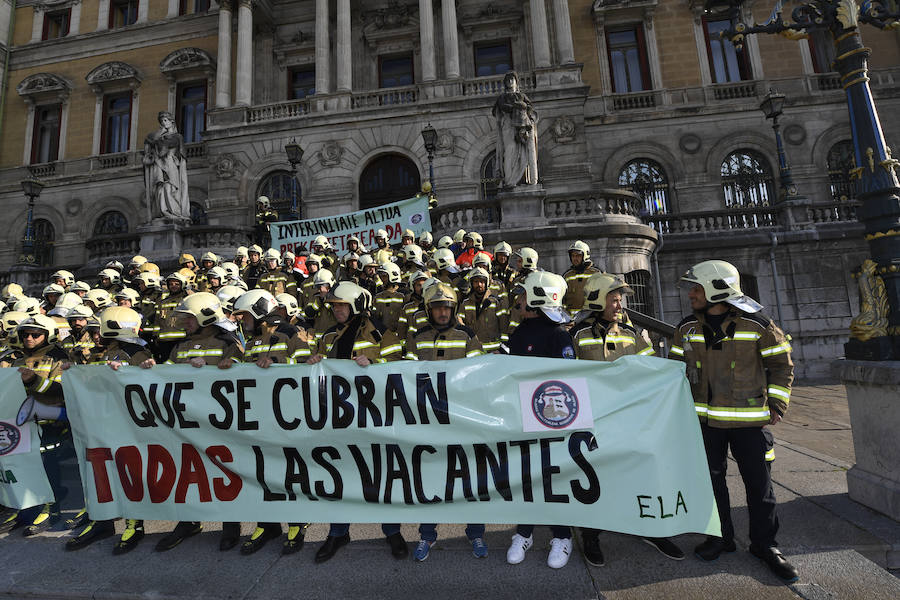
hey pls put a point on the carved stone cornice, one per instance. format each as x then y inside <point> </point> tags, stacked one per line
<point>112,73</point>
<point>188,61</point>
<point>44,86</point>
<point>604,10</point>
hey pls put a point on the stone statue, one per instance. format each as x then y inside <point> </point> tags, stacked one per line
<point>165,172</point>
<point>872,320</point>
<point>516,135</point>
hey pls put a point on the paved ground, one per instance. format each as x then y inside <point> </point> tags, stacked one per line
<point>841,548</point>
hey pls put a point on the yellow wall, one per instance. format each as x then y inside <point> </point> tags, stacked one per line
<point>584,39</point>
<point>678,60</point>
<point>153,98</point>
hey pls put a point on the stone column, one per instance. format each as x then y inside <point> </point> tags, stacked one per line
<point>223,60</point>
<point>540,36</point>
<point>243,94</point>
<point>344,56</point>
<point>323,48</point>
<point>174,5</point>
<point>563,32</point>
<point>426,39</point>
<point>451,39</point>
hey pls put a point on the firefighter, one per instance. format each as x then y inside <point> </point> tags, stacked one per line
<point>581,268</point>
<point>327,255</point>
<point>187,261</point>
<point>148,286</point>
<point>445,264</point>
<point>382,252</point>
<point>109,280</point>
<point>62,278</point>
<point>255,268</point>
<point>541,333</point>
<point>318,312</point>
<point>241,257</point>
<point>207,261</point>
<point>134,268</point>
<point>215,279</point>
<point>444,338</point>
<point>306,291</point>
<point>486,314</point>
<point>79,344</point>
<point>50,295</point>
<point>355,336</point>
<point>274,280</point>
<point>412,303</point>
<point>474,245</point>
<point>270,340</point>
<point>740,370</point>
<point>389,301</point>
<point>288,309</point>
<point>368,274</point>
<point>264,216</point>
<point>168,332</point>
<point>501,270</point>
<point>208,339</point>
<point>426,242</point>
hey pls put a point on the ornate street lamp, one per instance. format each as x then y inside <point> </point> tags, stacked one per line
<point>429,137</point>
<point>874,173</point>
<point>32,188</point>
<point>295,157</point>
<point>773,106</point>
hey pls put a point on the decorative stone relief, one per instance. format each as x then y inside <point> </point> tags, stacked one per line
<point>43,82</point>
<point>112,71</point>
<point>73,207</point>
<point>794,134</point>
<point>330,154</point>
<point>445,143</point>
<point>184,59</point>
<point>225,166</point>
<point>690,143</point>
<point>393,16</point>
<point>563,129</point>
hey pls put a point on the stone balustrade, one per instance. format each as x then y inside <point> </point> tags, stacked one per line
<point>101,249</point>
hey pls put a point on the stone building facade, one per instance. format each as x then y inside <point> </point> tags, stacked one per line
<point>652,147</point>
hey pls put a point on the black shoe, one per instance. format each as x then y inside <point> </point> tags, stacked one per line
<point>777,563</point>
<point>231,535</point>
<point>92,532</point>
<point>666,547</point>
<point>590,549</point>
<point>712,547</point>
<point>131,537</point>
<point>262,534</point>
<point>182,531</point>
<point>296,534</point>
<point>48,515</point>
<point>78,520</point>
<point>9,521</point>
<point>399,549</point>
<point>331,546</point>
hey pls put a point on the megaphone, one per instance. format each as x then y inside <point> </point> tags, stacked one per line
<point>31,409</point>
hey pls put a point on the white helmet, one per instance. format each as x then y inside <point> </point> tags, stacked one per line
<point>414,277</point>
<point>119,322</point>
<point>232,271</point>
<point>545,290</point>
<point>289,303</point>
<point>529,258</point>
<point>503,247</point>
<point>323,277</point>
<point>347,292</point>
<point>395,275</point>
<point>264,200</point>
<point>151,280</point>
<point>413,253</point>
<point>445,242</point>
<point>227,295</point>
<point>598,286</point>
<point>217,273</point>
<point>426,238</point>
<point>721,282</point>
<point>477,240</point>
<point>66,276</point>
<point>259,303</point>
<point>579,246</point>
<point>272,254</point>
<point>113,276</point>
<point>444,259</point>
<point>52,289</point>
<point>128,293</point>
<point>100,298</point>
<point>205,307</point>
<point>29,306</point>
<point>65,304</point>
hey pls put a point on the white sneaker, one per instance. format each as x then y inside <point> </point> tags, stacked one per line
<point>517,548</point>
<point>560,549</point>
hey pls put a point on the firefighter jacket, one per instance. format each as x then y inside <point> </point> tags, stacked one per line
<point>505,275</point>
<point>276,282</point>
<point>201,283</point>
<point>598,339</point>
<point>211,343</point>
<point>46,362</point>
<point>125,352</point>
<point>737,373</point>
<point>306,291</point>
<point>382,255</point>
<point>166,319</point>
<point>318,312</point>
<point>252,272</point>
<point>431,342</point>
<point>9,356</point>
<point>389,307</point>
<point>367,339</point>
<point>406,322</point>
<point>280,341</point>
<point>575,278</point>
<point>488,317</point>
<point>78,348</point>
<point>146,306</point>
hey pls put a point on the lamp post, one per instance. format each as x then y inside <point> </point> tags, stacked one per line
<point>32,188</point>
<point>773,106</point>
<point>429,137</point>
<point>295,157</point>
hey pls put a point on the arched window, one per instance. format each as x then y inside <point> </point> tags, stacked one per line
<point>110,223</point>
<point>647,179</point>
<point>44,236</point>
<point>490,179</point>
<point>746,179</point>
<point>198,214</point>
<point>840,162</point>
<point>642,299</point>
<point>388,178</point>
<point>282,188</point>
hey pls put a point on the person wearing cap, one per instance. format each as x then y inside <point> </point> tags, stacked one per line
<point>355,336</point>
<point>474,245</point>
<point>581,268</point>
<point>740,371</point>
<point>40,366</point>
<point>274,280</point>
<point>442,337</point>
<point>501,270</point>
<point>601,333</point>
<point>541,333</point>
<point>168,332</point>
<point>382,252</point>
<point>389,301</point>
<point>209,339</point>
<point>483,312</point>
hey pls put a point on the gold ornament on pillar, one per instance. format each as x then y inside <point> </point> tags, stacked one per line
<point>872,320</point>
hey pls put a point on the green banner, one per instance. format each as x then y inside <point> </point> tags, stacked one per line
<point>23,482</point>
<point>492,439</point>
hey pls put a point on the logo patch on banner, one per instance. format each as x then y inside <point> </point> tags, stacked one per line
<point>13,440</point>
<point>555,405</point>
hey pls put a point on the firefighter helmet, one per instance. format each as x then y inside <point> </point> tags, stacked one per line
<point>29,306</point>
<point>128,293</point>
<point>598,286</point>
<point>413,253</point>
<point>232,271</point>
<point>289,303</point>
<point>228,295</point>
<point>477,240</point>
<point>66,276</point>
<point>100,298</point>
<point>259,303</point>
<point>115,265</point>
<point>184,258</point>
<point>52,289</point>
<point>347,292</point>
<point>11,320</point>
<point>210,257</point>
<point>272,254</point>
<point>323,277</point>
<point>264,201</point>
<point>529,258</point>
<point>502,248</point>
<point>444,259</point>
<point>545,290</point>
<point>149,267</point>
<point>381,233</point>
<point>459,236</point>
<point>80,286</point>
<point>721,282</point>
<point>114,276</point>
<point>395,275</point>
<point>445,242</point>
<point>482,260</point>
<point>205,307</point>
<point>41,323</point>
<point>65,304</point>
<point>188,275</point>
<point>426,238</point>
<point>217,273</point>
<point>80,312</point>
<point>480,272</point>
<point>579,246</point>
<point>151,280</point>
<point>440,295</point>
<point>136,261</point>
<point>255,249</point>
<point>119,322</point>
<point>241,251</point>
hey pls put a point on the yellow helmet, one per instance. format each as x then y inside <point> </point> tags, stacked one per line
<point>29,306</point>
<point>65,304</point>
<point>137,261</point>
<point>205,307</point>
<point>347,292</point>
<point>721,282</point>
<point>119,322</point>
<point>440,294</point>
<point>149,267</point>
<point>289,303</point>
<point>189,276</point>
<point>184,258</point>
<point>100,298</point>
<point>598,286</point>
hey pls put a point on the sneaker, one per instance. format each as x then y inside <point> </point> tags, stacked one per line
<point>92,532</point>
<point>518,548</point>
<point>78,520</point>
<point>712,547</point>
<point>423,549</point>
<point>560,549</point>
<point>777,563</point>
<point>590,549</point>
<point>398,545</point>
<point>479,548</point>
<point>9,521</point>
<point>666,547</point>
<point>261,535</point>
<point>131,537</point>
<point>48,515</point>
<point>295,536</point>
<point>182,531</point>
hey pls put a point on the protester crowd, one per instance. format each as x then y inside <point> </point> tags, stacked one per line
<point>418,300</point>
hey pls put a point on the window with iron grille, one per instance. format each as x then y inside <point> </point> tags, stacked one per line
<point>840,162</point>
<point>642,299</point>
<point>746,179</point>
<point>647,179</point>
<point>280,187</point>
<point>110,223</point>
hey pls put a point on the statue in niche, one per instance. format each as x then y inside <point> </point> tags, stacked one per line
<point>516,135</point>
<point>872,320</point>
<point>165,172</point>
